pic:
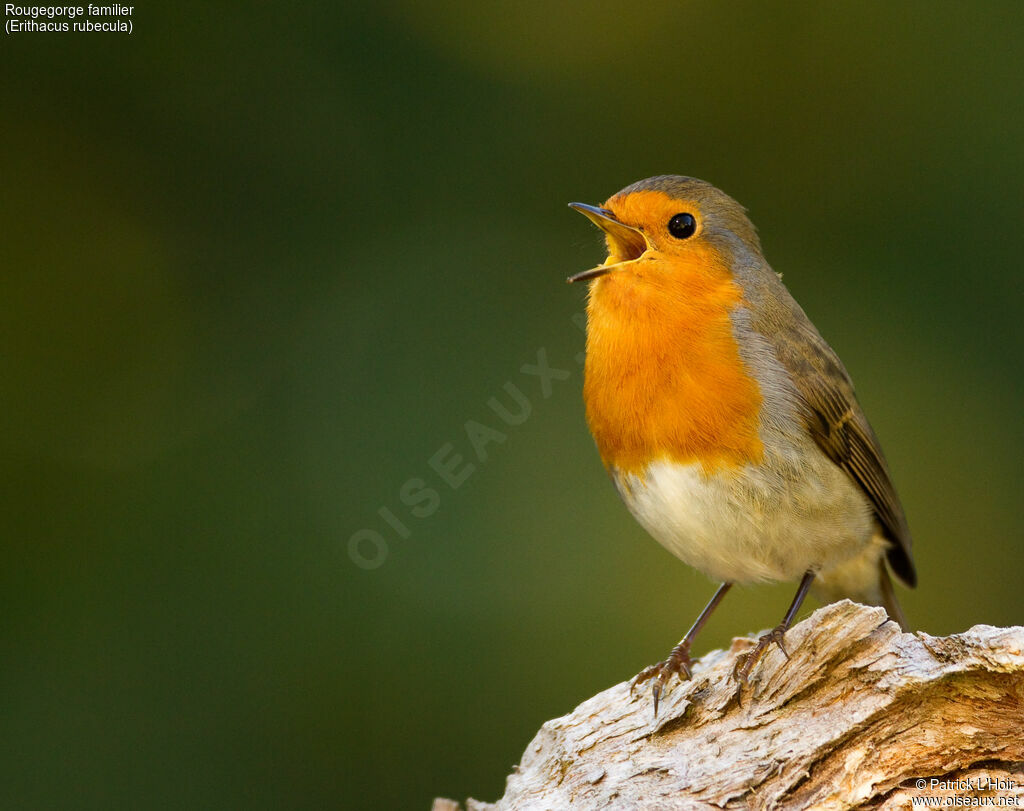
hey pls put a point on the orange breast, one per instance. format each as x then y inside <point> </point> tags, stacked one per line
<point>664,377</point>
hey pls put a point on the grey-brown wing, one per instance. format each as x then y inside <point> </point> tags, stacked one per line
<point>835,420</point>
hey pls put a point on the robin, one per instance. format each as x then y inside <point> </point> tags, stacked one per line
<point>726,422</point>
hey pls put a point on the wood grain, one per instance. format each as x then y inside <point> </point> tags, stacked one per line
<point>856,718</point>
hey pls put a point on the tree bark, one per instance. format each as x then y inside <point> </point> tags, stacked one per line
<point>860,716</point>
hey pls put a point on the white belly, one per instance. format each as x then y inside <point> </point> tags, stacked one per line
<point>770,522</point>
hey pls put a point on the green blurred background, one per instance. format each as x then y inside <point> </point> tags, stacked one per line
<point>260,263</point>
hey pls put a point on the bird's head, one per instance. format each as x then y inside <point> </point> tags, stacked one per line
<point>669,222</point>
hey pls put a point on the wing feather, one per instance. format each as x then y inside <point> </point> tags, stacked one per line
<point>836,421</point>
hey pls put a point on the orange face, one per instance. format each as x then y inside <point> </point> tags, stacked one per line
<point>653,213</point>
<point>664,379</point>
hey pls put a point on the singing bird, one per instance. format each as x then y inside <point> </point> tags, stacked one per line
<point>728,425</point>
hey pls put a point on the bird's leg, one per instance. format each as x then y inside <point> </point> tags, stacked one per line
<point>745,662</point>
<point>678,661</point>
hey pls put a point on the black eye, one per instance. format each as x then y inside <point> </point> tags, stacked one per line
<point>682,226</point>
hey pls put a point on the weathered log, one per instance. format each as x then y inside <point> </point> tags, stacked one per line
<point>860,716</point>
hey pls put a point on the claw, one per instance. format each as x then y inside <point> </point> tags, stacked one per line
<point>739,693</point>
<point>738,671</point>
<point>777,639</point>
<point>746,662</point>
<point>677,664</point>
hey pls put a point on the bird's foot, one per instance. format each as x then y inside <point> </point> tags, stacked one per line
<point>677,664</point>
<point>746,662</point>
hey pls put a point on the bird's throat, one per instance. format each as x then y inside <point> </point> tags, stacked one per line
<point>664,377</point>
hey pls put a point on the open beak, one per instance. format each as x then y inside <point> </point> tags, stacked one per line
<point>626,244</point>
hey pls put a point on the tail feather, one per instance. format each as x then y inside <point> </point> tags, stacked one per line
<point>889,601</point>
<point>864,579</point>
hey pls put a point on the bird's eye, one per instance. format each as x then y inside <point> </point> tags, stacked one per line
<point>682,226</point>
